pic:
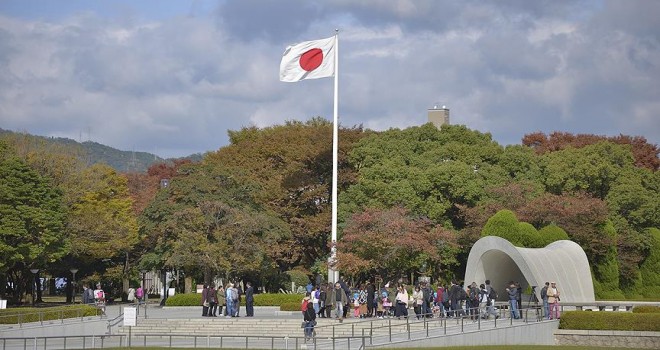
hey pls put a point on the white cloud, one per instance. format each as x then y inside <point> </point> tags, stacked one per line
<point>176,84</point>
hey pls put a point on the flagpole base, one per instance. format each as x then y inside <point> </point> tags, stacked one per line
<point>333,276</point>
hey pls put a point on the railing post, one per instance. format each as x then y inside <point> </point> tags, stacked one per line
<point>462,317</point>
<point>389,320</point>
<point>333,338</point>
<point>408,326</point>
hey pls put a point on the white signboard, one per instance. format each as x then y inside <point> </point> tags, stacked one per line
<point>130,316</point>
<point>3,304</point>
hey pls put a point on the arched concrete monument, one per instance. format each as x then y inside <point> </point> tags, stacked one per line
<point>564,262</point>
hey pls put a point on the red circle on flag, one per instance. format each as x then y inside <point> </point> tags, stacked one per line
<point>311,59</point>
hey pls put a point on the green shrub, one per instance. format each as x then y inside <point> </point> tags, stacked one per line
<point>551,233</point>
<point>528,235</point>
<point>290,306</point>
<point>616,321</point>
<point>29,314</point>
<point>503,224</point>
<point>646,309</point>
<point>650,268</point>
<point>267,299</point>
<point>190,299</point>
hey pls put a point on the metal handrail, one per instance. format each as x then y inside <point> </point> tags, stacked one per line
<point>22,316</point>
<point>124,339</point>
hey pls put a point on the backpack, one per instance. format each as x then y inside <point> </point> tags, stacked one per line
<point>139,293</point>
<point>492,294</point>
<point>462,295</point>
<point>304,305</point>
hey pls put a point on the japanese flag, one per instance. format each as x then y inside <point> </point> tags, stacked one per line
<point>308,60</point>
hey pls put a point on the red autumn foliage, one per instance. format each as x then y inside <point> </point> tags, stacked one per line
<point>645,154</point>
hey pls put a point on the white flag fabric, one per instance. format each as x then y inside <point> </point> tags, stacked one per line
<point>308,60</point>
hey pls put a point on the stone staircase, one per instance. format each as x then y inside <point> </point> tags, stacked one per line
<point>271,327</point>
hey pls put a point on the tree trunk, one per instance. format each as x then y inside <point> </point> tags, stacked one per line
<point>51,287</point>
<point>188,284</point>
<point>37,281</point>
<point>69,291</point>
<point>125,283</point>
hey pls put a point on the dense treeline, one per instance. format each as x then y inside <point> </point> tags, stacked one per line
<point>411,202</point>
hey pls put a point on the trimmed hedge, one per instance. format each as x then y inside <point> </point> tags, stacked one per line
<point>646,309</point>
<point>31,314</point>
<point>195,299</point>
<point>291,306</point>
<point>615,321</point>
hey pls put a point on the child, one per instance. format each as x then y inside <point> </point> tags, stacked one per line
<point>356,305</point>
<point>387,304</point>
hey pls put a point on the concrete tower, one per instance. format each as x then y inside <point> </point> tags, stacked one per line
<point>439,116</point>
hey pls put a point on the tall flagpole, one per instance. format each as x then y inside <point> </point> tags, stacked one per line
<point>333,275</point>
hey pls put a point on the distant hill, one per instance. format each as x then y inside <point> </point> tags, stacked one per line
<point>122,161</point>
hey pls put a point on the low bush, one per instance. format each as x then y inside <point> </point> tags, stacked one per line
<point>267,299</point>
<point>291,306</point>
<point>616,321</point>
<point>190,299</point>
<point>30,314</point>
<point>646,309</point>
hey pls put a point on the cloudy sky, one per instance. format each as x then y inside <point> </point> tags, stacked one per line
<point>171,77</point>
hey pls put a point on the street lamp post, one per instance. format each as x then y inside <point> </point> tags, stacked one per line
<point>34,286</point>
<point>144,292</point>
<point>73,271</point>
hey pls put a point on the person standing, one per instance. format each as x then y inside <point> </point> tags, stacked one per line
<point>213,302</point>
<point>99,298</point>
<point>220,297</point>
<point>490,303</point>
<point>329,301</point>
<point>339,299</point>
<point>371,298</point>
<point>314,298</point>
<point>553,300</point>
<point>427,303</point>
<point>237,300</point>
<point>544,297</point>
<point>309,316</point>
<point>418,301</point>
<point>401,301</point>
<point>139,294</point>
<point>249,300</point>
<point>130,295</point>
<point>454,299</point>
<point>87,295</point>
<point>512,292</point>
<point>322,297</point>
<point>205,303</point>
<point>230,300</point>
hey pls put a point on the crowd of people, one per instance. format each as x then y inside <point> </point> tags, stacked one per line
<point>226,301</point>
<point>366,300</point>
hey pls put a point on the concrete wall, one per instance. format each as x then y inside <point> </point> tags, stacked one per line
<point>541,333</point>
<point>637,340</point>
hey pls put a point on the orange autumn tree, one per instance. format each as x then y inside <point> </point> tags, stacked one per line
<point>392,243</point>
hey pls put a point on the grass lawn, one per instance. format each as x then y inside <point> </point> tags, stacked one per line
<point>488,347</point>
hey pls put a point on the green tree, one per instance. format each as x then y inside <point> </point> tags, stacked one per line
<point>31,221</point>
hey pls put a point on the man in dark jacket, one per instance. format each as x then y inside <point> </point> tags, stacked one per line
<point>371,296</point>
<point>428,299</point>
<point>340,299</point>
<point>249,300</point>
<point>454,299</point>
